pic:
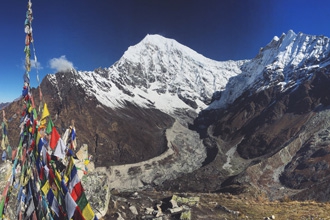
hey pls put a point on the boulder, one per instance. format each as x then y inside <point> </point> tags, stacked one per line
<point>97,191</point>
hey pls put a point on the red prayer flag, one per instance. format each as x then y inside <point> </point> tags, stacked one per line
<point>78,214</point>
<point>55,136</point>
<point>42,173</point>
<point>51,176</point>
<point>77,191</point>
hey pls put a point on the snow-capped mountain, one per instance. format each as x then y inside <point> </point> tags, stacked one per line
<point>164,74</point>
<point>272,121</point>
<point>285,61</point>
<point>161,73</point>
<point>257,119</point>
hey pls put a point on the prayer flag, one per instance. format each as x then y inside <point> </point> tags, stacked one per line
<point>55,136</point>
<point>45,188</point>
<point>45,155</point>
<point>66,136</point>
<point>50,126</point>
<point>53,202</point>
<point>82,202</point>
<point>88,213</point>
<point>45,113</point>
<point>30,208</point>
<point>69,166</point>
<point>70,204</point>
<point>77,191</point>
<point>42,175</point>
<point>73,134</point>
<point>78,215</point>
<point>40,144</point>
<point>60,149</point>
<point>75,187</point>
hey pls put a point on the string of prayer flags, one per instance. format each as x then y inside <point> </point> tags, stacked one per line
<point>28,40</point>
<point>69,202</point>
<point>43,175</point>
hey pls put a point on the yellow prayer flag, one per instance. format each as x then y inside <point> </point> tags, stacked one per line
<point>38,138</point>
<point>3,144</point>
<point>88,213</point>
<point>69,167</point>
<point>45,113</point>
<point>55,189</point>
<point>43,121</point>
<point>45,188</point>
<point>58,179</point>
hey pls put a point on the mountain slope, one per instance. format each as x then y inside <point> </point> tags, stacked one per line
<point>274,134</point>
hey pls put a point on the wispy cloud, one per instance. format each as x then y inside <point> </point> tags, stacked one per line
<point>36,65</point>
<point>60,64</point>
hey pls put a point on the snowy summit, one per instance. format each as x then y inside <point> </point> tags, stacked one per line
<point>160,73</point>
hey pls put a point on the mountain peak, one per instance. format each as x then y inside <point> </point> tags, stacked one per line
<point>155,38</point>
<point>157,43</point>
<point>278,63</point>
<point>290,34</point>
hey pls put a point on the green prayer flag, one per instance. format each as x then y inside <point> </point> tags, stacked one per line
<point>50,126</point>
<point>2,204</point>
<point>35,114</point>
<point>82,201</point>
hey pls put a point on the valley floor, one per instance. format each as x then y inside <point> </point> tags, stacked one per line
<point>213,206</point>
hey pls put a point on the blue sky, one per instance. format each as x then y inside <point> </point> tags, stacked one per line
<point>88,34</point>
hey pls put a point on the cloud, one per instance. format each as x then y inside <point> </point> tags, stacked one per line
<point>36,65</point>
<point>60,64</point>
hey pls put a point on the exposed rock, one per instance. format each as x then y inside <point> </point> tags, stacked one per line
<point>5,172</point>
<point>186,215</point>
<point>191,201</point>
<point>120,217</point>
<point>97,191</point>
<point>270,217</point>
<point>176,209</point>
<point>159,210</point>
<point>149,211</point>
<point>133,210</point>
<point>174,203</point>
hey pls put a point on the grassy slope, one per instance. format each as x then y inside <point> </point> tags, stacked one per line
<point>211,206</point>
